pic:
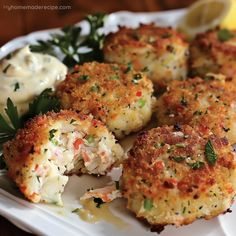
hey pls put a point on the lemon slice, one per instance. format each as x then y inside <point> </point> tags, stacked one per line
<point>204,15</point>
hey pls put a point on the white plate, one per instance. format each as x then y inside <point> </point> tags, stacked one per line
<point>43,219</point>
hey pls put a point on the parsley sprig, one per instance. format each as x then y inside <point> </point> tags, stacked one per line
<point>45,102</point>
<point>70,42</point>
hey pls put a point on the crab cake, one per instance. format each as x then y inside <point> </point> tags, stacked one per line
<point>115,94</point>
<point>214,51</point>
<point>177,176</point>
<point>56,144</point>
<point>161,52</point>
<point>209,104</point>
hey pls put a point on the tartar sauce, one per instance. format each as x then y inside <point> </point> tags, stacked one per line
<point>26,74</point>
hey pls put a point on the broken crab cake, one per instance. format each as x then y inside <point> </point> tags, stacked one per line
<point>175,176</point>
<point>56,144</point>
<point>215,52</point>
<point>161,52</point>
<point>115,94</point>
<point>205,103</point>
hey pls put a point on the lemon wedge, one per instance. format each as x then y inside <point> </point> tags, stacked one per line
<point>229,20</point>
<point>207,14</point>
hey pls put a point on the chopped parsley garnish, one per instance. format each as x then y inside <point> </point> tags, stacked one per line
<point>183,101</point>
<point>114,77</point>
<point>210,153</point>
<point>76,210</point>
<point>90,138</point>
<point>148,204</point>
<point>136,78</point>
<point>6,68</point>
<point>16,87</point>
<point>141,102</point>
<point>45,150</point>
<point>224,35</point>
<point>178,158</point>
<point>129,68</point>
<point>145,69</point>
<point>115,68</point>
<point>98,201</point>
<point>52,134</point>
<point>72,121</point>
<point>38,178</point>
<point>158,145</point>
<point>209,77</point>
<point>83,78</point>
<point>197,113</point>
<point>95,88</point>
<point>196,165</point>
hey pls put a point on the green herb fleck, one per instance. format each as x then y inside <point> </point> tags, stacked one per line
<point>6,68</point>
<point>17,86</point>
<point>114,77</point>
<point>180,145</point>
<point>208,77</point>
<point>38,178</point>
<point>98,201</point>
<point>76,210</point>
<point>183,101</point>
<point>72,121</point>
<point>52,134</point>
<point>158,145</point>
<point>95,88</point>
<point>148,204</point>
<point>224,35</point>
<point>115,68</point>
<point>90,138</point>
<point>197,113</point>
<point>184,209</point>
<point>141,102</point>
<point>145,69</point>
<point>45,150</point>
<point>178,158</point>
<point>210,153</point>
<point>196,165</point>
<point>83,78</point>
<point>129,67</point>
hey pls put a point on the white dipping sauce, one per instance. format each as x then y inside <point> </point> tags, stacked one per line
<point>26,74</point>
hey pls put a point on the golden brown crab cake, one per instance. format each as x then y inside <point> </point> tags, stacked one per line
<point>177,176</point>
<point>115,94</point>
<point>208,104</point>
<point>53,145</point>
<point>161,52</point>
<point>215,52</point>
